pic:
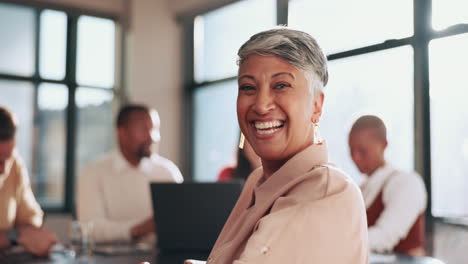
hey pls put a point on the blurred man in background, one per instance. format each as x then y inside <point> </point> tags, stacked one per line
<point>114,191</point>
<point>395,200</point>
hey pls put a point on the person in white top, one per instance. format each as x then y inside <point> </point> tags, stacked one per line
<point>114,192</point>
<point>395,200</point>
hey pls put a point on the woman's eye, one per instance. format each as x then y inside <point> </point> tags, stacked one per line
<point>246,88</point>
<point>281,86</point>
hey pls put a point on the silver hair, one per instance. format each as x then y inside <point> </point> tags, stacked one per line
<point>296,47</point>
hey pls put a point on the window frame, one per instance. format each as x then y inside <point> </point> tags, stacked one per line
<point>70,82</point>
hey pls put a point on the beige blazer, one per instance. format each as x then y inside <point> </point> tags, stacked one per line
<point>306,212</point>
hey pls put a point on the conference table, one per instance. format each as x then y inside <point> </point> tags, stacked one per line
<point>154,257</point>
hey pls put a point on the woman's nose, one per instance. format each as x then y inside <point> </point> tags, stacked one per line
<point>264,103</point>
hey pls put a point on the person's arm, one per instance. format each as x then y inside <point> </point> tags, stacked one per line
<point>404,198</point>
<point>28,210</point>
<point>166,170</point>
<point>331,230</point>
<point>31,235</point>
<point>175,173</point>
<point>91,207</point>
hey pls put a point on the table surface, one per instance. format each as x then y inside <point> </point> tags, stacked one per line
<point>154,258</point>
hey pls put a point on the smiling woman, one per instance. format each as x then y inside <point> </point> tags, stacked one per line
<point>275,109</point>
<point>296,208</point>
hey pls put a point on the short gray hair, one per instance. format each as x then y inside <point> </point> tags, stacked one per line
<point>296,47</point>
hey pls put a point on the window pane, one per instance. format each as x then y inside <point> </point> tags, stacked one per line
<point>447,13</point>
<point>53,40</point>
<point>18,97</point>
<point>50,163</point>
<point>342,25</point>
<point>216,129</point>
<point>449,115</point>
<point>17,40</point>
<point>96,52</point>
<point>220,33</point>
<point>95,124</point>
<point>379,83</point>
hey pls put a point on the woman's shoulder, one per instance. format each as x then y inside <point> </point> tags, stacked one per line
<point>325,181</point>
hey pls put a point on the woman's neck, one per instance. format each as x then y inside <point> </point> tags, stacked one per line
<point>271,166</point>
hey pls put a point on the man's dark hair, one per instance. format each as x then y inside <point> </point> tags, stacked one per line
<point>127,110</point>
<point>7,124</point>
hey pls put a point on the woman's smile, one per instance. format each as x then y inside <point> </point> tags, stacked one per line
<point>265,129</point>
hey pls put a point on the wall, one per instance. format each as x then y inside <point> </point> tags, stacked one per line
<point>155,70</point>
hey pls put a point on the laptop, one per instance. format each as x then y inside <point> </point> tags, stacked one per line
<point>190,216</point>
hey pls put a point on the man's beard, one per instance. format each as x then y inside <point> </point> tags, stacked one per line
<point>144,150</point>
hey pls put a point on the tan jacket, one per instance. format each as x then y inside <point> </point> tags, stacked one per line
<point>17,203</point>
<point>306,212</point>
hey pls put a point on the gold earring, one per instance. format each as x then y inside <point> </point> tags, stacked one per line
<point>317,140</point>
<point>241,141</point>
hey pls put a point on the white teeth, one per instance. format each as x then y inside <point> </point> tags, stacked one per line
<point>266,125</point>
<point>266,132</point>
<point>270,127</point>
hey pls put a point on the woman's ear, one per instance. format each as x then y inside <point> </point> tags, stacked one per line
<point>318,104</point>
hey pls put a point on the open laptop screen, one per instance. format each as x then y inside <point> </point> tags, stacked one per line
<point>190,216</point>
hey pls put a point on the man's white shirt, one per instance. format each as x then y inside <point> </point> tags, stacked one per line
<point>116,196</point>
<point>404,197</point>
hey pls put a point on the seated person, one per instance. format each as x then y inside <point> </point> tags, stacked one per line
<point>20,214</point>
<point>395,200</point>
<point>295,208</point>
<point>247,161</point>
<point>114,191</point>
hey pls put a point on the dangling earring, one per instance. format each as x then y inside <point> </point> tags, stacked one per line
<point>317,140</point>
<point>241,141</point>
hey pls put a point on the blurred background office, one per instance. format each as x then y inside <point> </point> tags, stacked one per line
<point>66,66</point>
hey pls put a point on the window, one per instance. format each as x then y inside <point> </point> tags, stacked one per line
<point>58,120</point>
<point>449,140</point>
<point>448,13</point>
<point>343,25</point>
<point>216,131</point>
<point>215,58</point>
<point>216,128</point>
<point>362,85</point>
<point>17,45</point>
<point>96,50</point>
<point>53,39</point>
<point>95,124</point>
<point>384,59</point>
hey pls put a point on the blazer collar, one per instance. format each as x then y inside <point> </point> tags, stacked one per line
<point>291,171</point>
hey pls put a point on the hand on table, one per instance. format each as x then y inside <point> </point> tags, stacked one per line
<point>142,229</point>
<point>37,241</point>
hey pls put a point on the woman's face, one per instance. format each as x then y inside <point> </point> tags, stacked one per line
<point>275,107</point>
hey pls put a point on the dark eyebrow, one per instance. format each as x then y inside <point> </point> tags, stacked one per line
<point>281,73</point>
<point>246,76</point>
